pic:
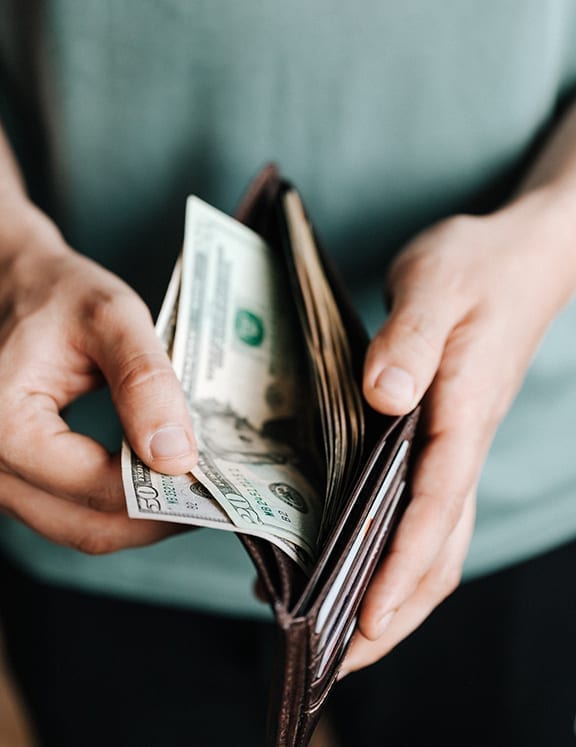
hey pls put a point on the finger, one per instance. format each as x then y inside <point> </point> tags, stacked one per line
<point>405,354</point>
<point>439,583</point>
<point>77,526</point>
<point>445,474</point>
<point>38,446</point>
<point>144,387</point>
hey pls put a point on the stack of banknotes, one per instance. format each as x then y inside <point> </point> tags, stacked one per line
<point>266,373</point>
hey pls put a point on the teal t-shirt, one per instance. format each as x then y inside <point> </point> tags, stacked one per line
<point>388,116</point>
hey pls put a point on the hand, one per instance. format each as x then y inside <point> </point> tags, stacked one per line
<point>471,299</point>
<point>65,325</point>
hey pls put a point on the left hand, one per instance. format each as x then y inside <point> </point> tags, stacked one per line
<point>471,300</point>
<point>65,325</point>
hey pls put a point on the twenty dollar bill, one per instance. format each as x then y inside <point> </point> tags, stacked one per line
<point>242,369</point>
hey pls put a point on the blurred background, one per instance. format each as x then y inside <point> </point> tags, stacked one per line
<point>16,732</point>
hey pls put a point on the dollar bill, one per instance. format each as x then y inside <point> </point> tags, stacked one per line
<point>227,322</point>
<point>166,321</point>
<point>178,498</point>
<point>183,499</point>
<point>244,375</point>
<point>340,402</point>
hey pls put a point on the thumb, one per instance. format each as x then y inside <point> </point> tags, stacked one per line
<point>145,390</point>
<point>404,356</point>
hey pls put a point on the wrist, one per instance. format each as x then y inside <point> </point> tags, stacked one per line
<point>550,211</point>
<point>542,222</point>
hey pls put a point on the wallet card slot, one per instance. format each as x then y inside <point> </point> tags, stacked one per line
<point>337,544</point>
<point>350,586</point>
<point>332,639</point>
<point>327,606</point>
<point>317,695</point>
<point>329,651</point>
<point>359,577</point>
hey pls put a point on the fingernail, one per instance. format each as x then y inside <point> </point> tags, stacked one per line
<point>396,384</point>
<point>384,622</point>
<point>170,442</point>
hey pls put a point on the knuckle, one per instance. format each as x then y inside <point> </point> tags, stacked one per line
<point>451,511</point>
<point>446,581</point>
<point>409,568</point>
<point>95,542</point>
<point>472,398</point>
<point>146,371</point>
<point>413,329</point>
<point>450,234</point>
<point>434,260</point>
<point>10,446</point>
<point>104,308</point>
<point>107,502</point>
<point>412,265</point>
<point>445,508</point>
<point>460,227</point>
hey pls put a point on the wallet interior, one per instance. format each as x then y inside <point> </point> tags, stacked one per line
<point>262,210</point>
<point>316,614</point>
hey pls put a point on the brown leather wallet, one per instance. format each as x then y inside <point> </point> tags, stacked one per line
<point>316,614</point>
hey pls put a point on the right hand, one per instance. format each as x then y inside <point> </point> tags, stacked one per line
<point>463,328</point>
<point>65,325</point>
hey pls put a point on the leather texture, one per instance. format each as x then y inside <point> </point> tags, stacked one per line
<point>316,616</point>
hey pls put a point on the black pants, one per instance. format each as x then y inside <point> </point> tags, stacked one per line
<point>495,665</point>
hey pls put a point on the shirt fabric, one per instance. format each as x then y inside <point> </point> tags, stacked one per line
<point>387,116</point>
